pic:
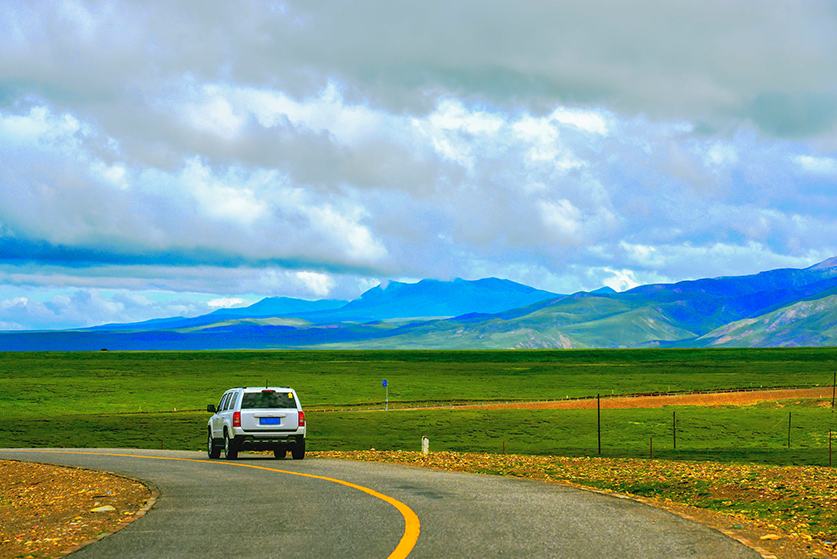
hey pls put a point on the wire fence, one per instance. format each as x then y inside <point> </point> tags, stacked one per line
<point>395,405</point>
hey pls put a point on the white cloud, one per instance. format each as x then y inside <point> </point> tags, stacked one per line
<point>223,199</point>
<point>39,127</point>
<point>326,111</point>
<point>454,130</point>
<point>721,154</point>
<point>226,302</point>
<point>563,218</point>
<point>214,115</point>
<point>319,285</point>
<point>452,116</point>
<point>344,230</point>
<point>589,121</point>
<point>620,280</point>
<point>115,175</point>
<point>541,134</point>
<point>16,302</point>
<point>826,166</point>
<point>643,255</point>
<point>50,308</point>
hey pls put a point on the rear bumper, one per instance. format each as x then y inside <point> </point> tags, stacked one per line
<point>267,433</point>
<point>245,440</point>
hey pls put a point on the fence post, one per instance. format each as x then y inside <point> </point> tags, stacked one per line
<point>789,428</point>
<point>599,420</point>
<point>674,428</point>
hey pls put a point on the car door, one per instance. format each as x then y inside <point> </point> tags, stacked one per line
<point>229,408</point>
<point>218,418</point>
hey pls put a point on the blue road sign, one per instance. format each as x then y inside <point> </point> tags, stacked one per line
<point>385,382</point>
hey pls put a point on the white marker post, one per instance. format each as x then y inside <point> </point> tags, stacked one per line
<point>387,401</point>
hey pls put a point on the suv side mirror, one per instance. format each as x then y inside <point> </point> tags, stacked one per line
<point>210,408</point>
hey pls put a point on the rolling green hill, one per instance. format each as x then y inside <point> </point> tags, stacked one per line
<point>806,323</point>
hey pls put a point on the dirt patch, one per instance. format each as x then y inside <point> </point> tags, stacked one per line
<point>761,536</point>
<point>698,399</point>
<point>50,511</point>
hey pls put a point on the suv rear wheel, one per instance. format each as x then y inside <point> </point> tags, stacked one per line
<point>298,450</point>
<point>230,448</point>
<point>213,450</point>
<point>280,452</point>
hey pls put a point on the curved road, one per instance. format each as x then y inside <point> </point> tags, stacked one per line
<point>258,507</point>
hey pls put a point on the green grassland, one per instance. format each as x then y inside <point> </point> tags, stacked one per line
<point>95,382</point>
<point>757,434</point>
<point>751,434</point>
<point>127,399</point>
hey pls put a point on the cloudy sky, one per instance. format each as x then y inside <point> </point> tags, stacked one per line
<point>170,158</point>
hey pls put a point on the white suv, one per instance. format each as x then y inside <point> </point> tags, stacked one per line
<point>256,419</point>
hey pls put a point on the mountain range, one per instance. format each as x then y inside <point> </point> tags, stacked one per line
<point>776,308</point>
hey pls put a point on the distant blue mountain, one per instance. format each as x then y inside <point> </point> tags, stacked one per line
<point>280,306</point>
<point>394,300</point>
<point>267,307</point>
<point>783,307</point>
<point>674,315</point>
<point>433,298</point>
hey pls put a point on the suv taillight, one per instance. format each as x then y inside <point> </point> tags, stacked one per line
<point>302,419</point>
<point>237,419</point>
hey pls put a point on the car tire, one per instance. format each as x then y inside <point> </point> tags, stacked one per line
<point>280,452</point>
<point>212,449</point>
<point>298,450</point>
<point>230,448</point>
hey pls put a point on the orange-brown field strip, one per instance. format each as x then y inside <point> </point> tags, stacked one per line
<point>717,399</point>
<point>721,398</point>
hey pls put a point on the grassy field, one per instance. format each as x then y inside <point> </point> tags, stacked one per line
<point>46,384</point>
<point>757,434</point>
<point>736,434</point>
<point>127,399</point>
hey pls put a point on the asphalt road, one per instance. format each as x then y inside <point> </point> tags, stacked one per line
<point>256,507</point>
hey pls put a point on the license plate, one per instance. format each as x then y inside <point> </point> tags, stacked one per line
<point>270,421</point>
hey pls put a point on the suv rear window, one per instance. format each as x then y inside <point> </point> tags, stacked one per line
<point>268,399</point>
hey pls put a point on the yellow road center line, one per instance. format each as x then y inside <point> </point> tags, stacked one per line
<point>412,526</point>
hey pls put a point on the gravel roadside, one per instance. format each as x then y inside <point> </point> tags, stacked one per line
<point>50,511</point>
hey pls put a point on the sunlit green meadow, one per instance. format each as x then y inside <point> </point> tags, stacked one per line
<point>153,400</point>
